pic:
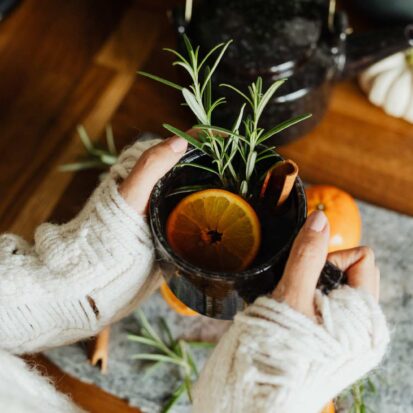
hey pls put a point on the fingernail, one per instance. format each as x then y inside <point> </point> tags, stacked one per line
<point>317,221</point>
<point>177,144</point>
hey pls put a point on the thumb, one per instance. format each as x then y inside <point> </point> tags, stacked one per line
<point>153,164</point>
<point>307,258</point>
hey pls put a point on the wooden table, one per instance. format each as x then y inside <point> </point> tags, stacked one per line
<point>69,63</point>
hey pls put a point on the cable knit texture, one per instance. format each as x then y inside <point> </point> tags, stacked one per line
<point>276,360</point>
<point>77,277</point>
<point>23,390</point>
<point>83,275</point>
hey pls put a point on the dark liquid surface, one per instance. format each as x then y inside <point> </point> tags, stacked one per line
<point>277,229</point>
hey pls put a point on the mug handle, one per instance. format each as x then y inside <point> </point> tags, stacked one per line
<point>331,277</point>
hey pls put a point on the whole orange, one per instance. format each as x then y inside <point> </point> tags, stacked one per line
<point>329,408</point>
<point>342,213</point>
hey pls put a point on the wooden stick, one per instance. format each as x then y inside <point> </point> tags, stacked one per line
<point>99,354</point>
<point>279,182</point>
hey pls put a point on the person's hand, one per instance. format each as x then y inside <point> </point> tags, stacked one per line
<point>307,258</point>
<point>151,166</point>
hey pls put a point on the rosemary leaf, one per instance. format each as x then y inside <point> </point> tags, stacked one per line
<point>183,135</point>
<point>161,80</point>
<point>215,65</point>
<point>237,91</point>
<point>195,106</point>
<point>190,188</point>
<point>178,55</point>
<point>157,357</point>
<point>267,96</point>
<point>110,140</point>
<point>283,125</point>
<point>174,398</point>
<point>196,165</point>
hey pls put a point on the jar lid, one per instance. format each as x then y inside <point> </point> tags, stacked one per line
<point>270,36</point>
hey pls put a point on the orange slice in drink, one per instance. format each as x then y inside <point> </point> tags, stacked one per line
<point>175,303</point>
<point>215,230</point>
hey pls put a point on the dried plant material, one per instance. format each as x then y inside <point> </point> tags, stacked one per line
<point>99,354</point>
<point>279,182</point>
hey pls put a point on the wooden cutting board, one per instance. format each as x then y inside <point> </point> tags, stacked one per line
<point>360,149</point>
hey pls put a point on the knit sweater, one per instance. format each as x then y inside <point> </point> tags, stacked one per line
<point>276,360</point>
<point>88,273</point>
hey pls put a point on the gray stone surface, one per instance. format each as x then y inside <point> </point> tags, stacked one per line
<point>391,236</point>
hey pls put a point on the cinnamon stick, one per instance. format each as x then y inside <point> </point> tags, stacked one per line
<point>279,182</point>
<point>99,354</point>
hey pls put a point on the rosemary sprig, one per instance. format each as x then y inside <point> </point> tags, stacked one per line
<point>226,147</point>
<point>96,158</point>
<point>355,396</point>
<point>169,350</point>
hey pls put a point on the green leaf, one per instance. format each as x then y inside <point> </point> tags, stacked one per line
<point>84,137</point>
<point>108,159</point>
<point>244,188</point>
<point>183,135</point>
<point>166,330</point>
<point>201,344</point>
<point>186,66</point>
<point>196,165</point>
<point>152,333</point>
<point>218,46</point>
<point>191,362</point>
<point>250,164</point>
<point>270,155</point>
<point>178,55</point>
<point>174,398</point>
<point>110,140</point>
<point>214,66</point>
<point>190,188</point>
<point>237,123</point>
<point>144,340</point>
<point>207,97</point>
<point>188,45</point>
<point>371,386</point>
<point>161,80</point>
<point>195,106</point>
<point>267,96</point>
<point>224,131</point>
<point>158,357</point>
<point>237,91</point>
<point>218,102</point>
<point>283,125</point>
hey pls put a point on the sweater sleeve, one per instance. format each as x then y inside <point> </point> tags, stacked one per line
<point>79,276</point>
<point>274,359</point>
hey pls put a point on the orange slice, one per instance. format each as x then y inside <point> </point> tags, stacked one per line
<point>215,230</point>
<point>175,303</point>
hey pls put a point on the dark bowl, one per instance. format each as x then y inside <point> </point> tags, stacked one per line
<point>221,294</point>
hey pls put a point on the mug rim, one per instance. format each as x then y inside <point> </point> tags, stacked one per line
<point>156,197</point>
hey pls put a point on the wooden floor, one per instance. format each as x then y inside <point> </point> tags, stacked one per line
<point>64,63</point>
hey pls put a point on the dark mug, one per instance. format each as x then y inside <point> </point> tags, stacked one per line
<point>221,294</point>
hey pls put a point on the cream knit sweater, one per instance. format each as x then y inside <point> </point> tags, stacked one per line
<point>80,276</point>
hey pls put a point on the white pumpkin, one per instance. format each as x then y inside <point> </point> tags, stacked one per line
<point>389,84</point>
